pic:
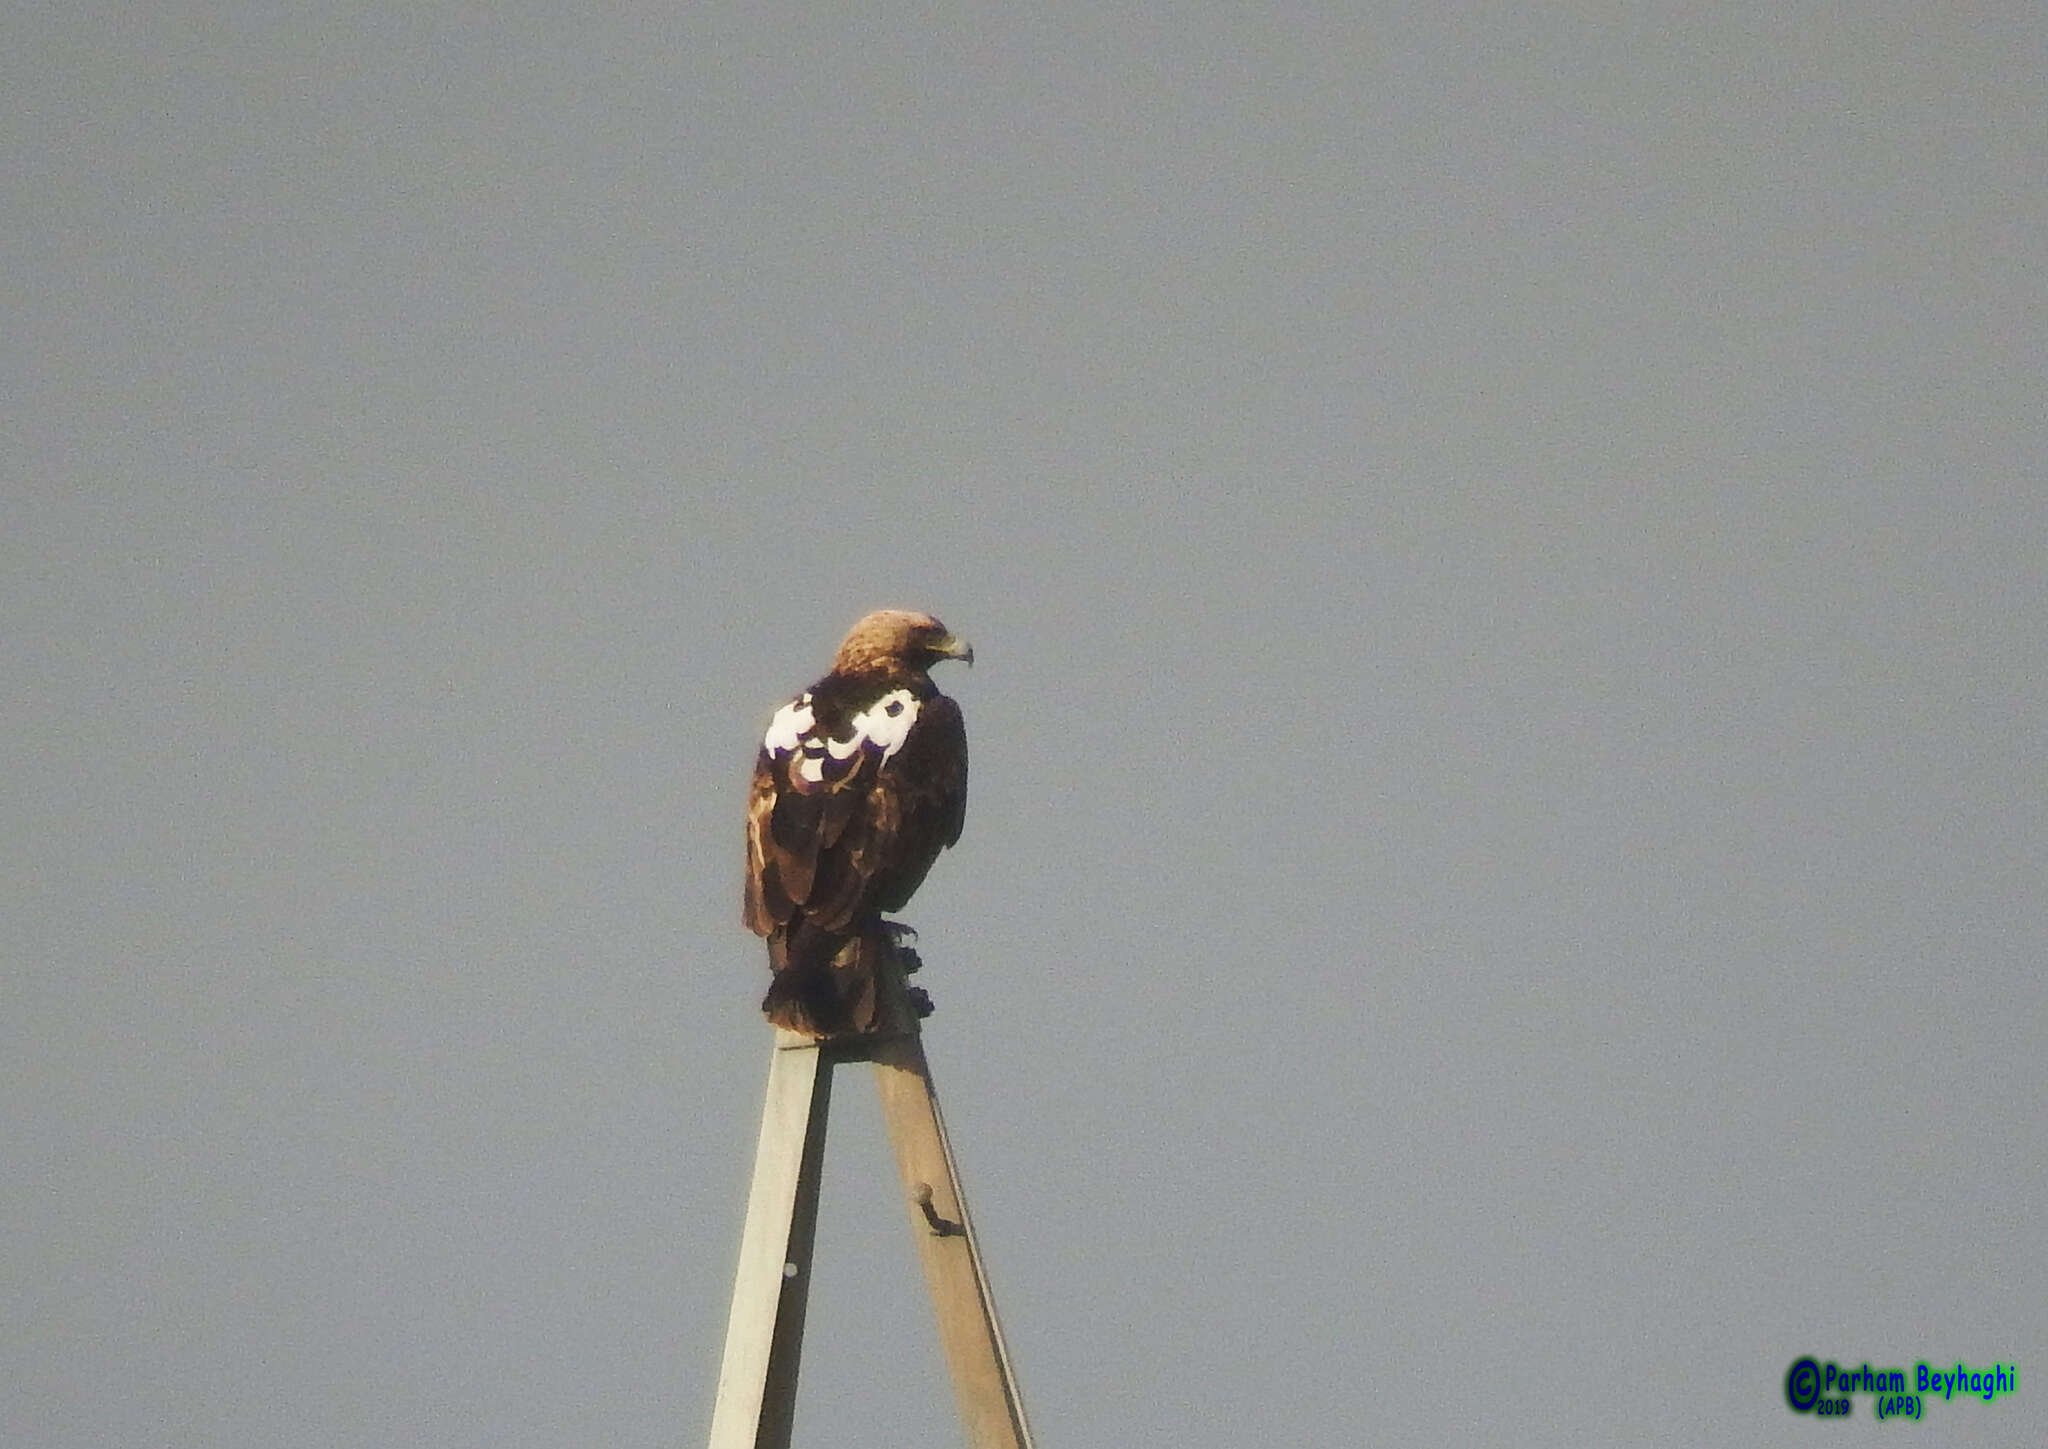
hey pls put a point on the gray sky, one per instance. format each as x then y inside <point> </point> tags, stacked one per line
<point>1502,897</point>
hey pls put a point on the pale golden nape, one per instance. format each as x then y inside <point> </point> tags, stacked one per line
<point>886,634</point>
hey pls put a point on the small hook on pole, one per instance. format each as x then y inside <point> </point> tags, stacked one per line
<point>941,1228</point>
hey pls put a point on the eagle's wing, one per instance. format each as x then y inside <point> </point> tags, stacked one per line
<point>846,815</point>
<point>767,904</point>
<point>930,781</point>
<point>811,851</point>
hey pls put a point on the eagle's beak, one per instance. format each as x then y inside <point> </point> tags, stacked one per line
<point>954,647</point>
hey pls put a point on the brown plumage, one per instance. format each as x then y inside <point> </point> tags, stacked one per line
<point>859,784</point>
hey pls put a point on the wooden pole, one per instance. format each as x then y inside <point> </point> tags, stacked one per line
<point>764,1335</point>
<point>983,1382</point>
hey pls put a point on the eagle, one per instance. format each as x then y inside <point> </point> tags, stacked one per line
<point>860,782</point>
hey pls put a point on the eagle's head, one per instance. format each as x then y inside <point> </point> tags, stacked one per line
<point>899,638</point>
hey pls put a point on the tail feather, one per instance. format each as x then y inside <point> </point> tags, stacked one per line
<point>824,984</point>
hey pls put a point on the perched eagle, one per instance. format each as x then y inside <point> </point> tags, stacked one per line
<point>860,783</point>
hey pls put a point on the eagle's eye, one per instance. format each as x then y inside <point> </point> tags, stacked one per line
<point>893,707</point>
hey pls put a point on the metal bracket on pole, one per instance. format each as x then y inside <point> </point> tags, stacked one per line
<point>764,1336</point>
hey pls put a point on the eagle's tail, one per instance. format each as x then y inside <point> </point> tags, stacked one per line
<point>824,982</point>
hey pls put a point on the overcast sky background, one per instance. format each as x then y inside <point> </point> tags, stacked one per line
<point>1502,894</point>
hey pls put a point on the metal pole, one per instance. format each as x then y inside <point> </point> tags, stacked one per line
<point>984,1383</point>
<point>764,1336</point>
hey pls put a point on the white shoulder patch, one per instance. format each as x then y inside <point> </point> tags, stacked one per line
<point>885,723</point>
<point>881,728</point>
<point>788,726</point>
